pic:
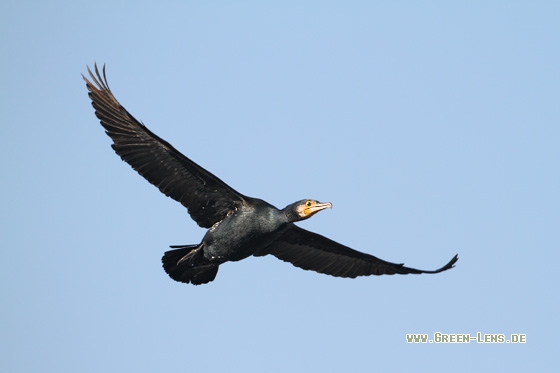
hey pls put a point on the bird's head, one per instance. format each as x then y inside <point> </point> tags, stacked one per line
<point>305,209</point>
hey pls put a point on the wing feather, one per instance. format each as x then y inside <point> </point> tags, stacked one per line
<point>311,251</point>
<point>207,198</point>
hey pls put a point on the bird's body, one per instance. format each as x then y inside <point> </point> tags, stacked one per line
<point>238,226</point>
<point>247,230</point>
<point>243,232</point>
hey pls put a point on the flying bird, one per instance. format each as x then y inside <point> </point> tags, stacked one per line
<point>238,226</point>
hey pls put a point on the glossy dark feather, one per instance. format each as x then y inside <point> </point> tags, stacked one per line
<point>207,198</point>
<point>240,226</point>
<point>311,251</point>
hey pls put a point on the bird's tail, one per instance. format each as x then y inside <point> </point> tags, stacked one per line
<point>187,264</point>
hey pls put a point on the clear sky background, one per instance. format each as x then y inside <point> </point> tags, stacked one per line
<point>432,127</point>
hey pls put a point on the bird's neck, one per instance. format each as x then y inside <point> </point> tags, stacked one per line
<point>290,213</point>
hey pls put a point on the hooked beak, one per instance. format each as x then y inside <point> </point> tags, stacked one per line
<point>315,208</point>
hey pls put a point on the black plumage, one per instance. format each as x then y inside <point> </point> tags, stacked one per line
<point>238,226</point>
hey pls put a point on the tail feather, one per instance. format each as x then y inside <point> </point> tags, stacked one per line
<point>188,265</point>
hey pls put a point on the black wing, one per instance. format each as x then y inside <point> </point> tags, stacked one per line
<point>314,252</point>
<point>207,198</point>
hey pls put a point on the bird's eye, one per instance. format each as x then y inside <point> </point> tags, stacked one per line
<point>308,203</point>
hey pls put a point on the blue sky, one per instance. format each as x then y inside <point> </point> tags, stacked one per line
<point>432,127</point>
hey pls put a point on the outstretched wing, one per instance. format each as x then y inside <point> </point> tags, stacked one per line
<point>207,198</point>
<point>314,252</point>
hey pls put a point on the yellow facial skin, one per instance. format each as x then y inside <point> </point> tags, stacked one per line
<point>311,207</point>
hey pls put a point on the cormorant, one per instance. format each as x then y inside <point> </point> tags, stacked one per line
<point>238,226</point>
